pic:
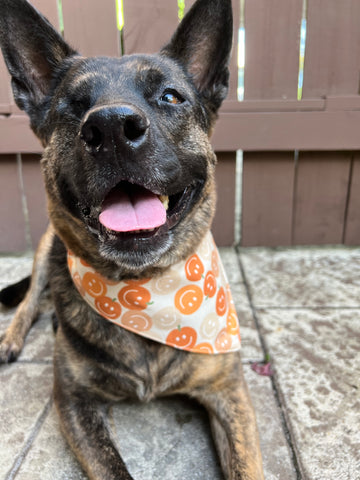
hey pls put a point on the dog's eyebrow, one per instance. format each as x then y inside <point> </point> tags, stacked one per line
<point>149,74</point>
<point>80,79</point>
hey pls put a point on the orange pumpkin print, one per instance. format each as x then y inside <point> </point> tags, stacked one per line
<point>189,299</point>
<point>203,348</point>
<point>184,338</point>
<point>194,268</point>
<point>136,321</point>
<point>94,284</point>
<point>134,296</point>
<point>215,263</point>
<point>210,284</point>
<point>221,302</point>
<point>108,308</point>
<point>232,326</point>
<point>223,341</point>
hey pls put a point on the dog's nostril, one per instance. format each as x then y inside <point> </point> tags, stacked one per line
<point>92,136</point>
<point>135,128</point>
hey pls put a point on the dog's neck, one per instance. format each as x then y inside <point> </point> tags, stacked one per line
<point>189,307</point>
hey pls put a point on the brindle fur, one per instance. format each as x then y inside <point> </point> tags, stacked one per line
<point>96,361</point>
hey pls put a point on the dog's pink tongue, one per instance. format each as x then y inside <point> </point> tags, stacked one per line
<point>138,209</point>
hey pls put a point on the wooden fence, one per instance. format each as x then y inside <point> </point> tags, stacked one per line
<point>299,166</point>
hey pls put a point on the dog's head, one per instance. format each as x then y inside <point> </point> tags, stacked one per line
<point>128,166</point>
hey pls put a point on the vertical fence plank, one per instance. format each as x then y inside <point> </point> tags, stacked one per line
<point>148,25</point>
<point>272,32</point>
<point>352,228</point>
<point>321,196</point>
<point>233,66</point>
<point>12,221</point>
<point>90,26</point>
<point>5,91</point>
<point>35,197</point>
<point>332,57</point>
<point>223,225</point>
<point>268,180</point>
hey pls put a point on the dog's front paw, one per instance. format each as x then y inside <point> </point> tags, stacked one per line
<point>10,348</point>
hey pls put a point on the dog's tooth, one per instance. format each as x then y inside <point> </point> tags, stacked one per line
<point>164,199</point>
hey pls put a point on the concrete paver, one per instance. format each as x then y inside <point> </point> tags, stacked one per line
<point>306,302</point>
<point>316,357</point>
<point>49,456</point>
<point>312,277</point>
<point>25,390</point>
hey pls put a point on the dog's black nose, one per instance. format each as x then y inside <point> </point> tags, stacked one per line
<point>104,127</point>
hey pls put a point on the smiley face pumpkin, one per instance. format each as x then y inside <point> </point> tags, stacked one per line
<point>194,268</point>
<point>108,308</point>
<point>184,338</point>
<point>134,296</point>
<point>94,284</point>
<point>188,299</point>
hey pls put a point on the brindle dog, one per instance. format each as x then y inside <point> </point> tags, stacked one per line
<point>120,123</point>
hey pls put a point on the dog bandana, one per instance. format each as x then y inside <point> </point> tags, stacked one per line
<point>189,307</point>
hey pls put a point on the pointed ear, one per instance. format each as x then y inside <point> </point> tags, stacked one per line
<point>32,50</point>
<point>202,44</point>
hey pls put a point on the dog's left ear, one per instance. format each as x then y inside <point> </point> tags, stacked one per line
<point>202,44</point>
<point>32,50</point>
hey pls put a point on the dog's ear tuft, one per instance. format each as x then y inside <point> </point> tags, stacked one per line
<point>32,50</point>
<point>202,44</point>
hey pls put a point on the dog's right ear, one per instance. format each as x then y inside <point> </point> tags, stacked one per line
<point>202,44</point>
<point>32,50</point>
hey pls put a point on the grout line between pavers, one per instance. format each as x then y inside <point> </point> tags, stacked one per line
<point>282,412</point>
<point>29,442</point>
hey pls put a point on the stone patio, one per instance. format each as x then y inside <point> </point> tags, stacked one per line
<point>299,307</point>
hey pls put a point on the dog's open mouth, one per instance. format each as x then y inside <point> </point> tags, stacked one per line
<point>133,209</point>
<point>130,210</point>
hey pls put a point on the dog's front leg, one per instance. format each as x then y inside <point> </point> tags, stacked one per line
<point>12,341</point>
<point>83,426</point>
<point>233,425</point>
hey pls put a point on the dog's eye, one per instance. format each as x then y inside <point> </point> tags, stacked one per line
<point>172,97</point>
